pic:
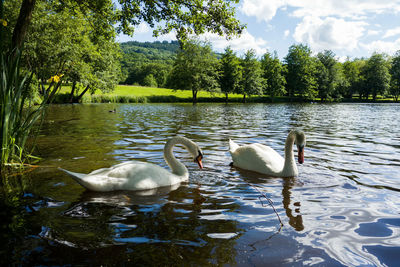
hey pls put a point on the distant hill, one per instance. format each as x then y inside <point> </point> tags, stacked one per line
<point>140,59</point>
<point>138,53</point>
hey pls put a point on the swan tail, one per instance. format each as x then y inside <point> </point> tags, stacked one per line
<point>77,177</point>
<point>232,146</point>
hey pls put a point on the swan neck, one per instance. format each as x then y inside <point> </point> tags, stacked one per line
<point>290,167</point>
<point>176,166</point>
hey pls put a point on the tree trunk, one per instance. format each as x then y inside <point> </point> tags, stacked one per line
<point>71,96</point>
<point>23,21</point>
<point>194,93</point>
<point>244,98</point>
<point>226,97</point>
<point>81,95</point>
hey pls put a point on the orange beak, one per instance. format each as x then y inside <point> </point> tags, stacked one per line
<point>300,155</point>
<point>198,160</point>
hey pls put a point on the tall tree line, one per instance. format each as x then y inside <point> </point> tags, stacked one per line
<point>300,76</point>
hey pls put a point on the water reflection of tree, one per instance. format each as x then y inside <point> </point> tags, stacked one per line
<point>295,221</point>
<point>167,230</point>
<point>180,234</point>
<point>15,213</point>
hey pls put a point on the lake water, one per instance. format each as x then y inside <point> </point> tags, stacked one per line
<point>342,209</point>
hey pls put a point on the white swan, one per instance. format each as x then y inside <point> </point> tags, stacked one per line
<point>263,159</point>
<point>136,175</point>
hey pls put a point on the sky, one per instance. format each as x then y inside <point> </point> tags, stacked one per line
<point>350,28</point>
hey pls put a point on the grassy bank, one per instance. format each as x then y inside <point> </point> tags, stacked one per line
<point>139,94</point>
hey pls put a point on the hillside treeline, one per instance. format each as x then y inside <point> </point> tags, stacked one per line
<point>301,74</point>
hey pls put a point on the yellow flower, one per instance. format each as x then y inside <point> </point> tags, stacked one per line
<point>3,22</point>
<point>55,78</point>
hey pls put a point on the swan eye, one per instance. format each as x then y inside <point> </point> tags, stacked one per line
<point>199,156</point>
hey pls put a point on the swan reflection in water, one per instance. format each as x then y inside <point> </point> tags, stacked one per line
<point>127,198</point>
<point>253,178</point>
<point>296,221</point>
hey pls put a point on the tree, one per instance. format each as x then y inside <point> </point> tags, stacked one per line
<point>150,81</point>
<point>377,75</point>
<point>58,43</point>
<point>230,72</point>
<point>183,16</point>
<point>351,71</point>
<point>301,69</point>
<point>195,69</point>
<point>395,73</point>
<point>159,71</point>
<point>327,74</point>
<point>251,83</point>
<point>273,75</point>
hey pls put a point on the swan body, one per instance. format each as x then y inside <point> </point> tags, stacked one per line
<point>263,159</point>
<point>137,175</point>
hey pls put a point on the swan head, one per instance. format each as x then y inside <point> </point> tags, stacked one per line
<point>196,153</point>
<point>300,141</point>
<point>198,159</point>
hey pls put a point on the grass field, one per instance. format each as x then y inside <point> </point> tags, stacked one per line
<point>140,94</point>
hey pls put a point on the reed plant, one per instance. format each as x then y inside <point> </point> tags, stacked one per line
<point>17,113</point>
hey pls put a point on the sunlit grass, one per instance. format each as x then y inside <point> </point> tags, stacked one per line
<point>141,94</point>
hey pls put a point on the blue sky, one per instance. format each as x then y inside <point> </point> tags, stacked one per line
<point>354,28</point>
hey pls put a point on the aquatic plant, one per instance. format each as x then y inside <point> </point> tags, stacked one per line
<point>17,112</point>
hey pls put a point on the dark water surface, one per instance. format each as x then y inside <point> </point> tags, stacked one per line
<point>343,209</point>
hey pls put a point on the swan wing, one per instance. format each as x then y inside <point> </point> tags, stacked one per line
<point>259,158</point>
<point>232,146</point>
<point>132,175</point>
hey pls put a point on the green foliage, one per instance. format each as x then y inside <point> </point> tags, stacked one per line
<point>135,53</point>
<point>195,69</point>
<point>301,70</point>
<point>184,16</point>
<point>395,74</point>
<point>376,75</point>
<point>150,81</point>
<point>18,115</point>
<point>273,75</point>
<point>159,71</point>
<point>327,74</point>
<point>64,41</point>
<point>251,83</point>
<point>231,72</point>
<point>140,59</point>
<point>353,80</point>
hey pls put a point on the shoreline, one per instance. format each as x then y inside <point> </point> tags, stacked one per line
<point>140,94</point>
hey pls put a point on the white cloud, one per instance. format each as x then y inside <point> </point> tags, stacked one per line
<point>240,45</point>
<point>171,36</point>
<point>261,9</point>
<point>343,8</point>
<point>382,47</point>
<point>372,32</point>
<point>354,9</point>
<point>142,28</point>
<point>392,32</point>
<point>329,33</point>
<point>286,33</point>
